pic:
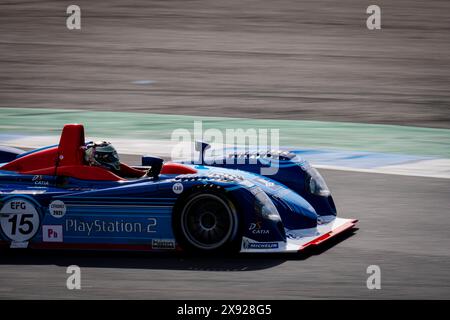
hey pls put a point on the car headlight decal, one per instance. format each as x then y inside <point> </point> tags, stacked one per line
<point>315,183</point>
<point>265,206</point>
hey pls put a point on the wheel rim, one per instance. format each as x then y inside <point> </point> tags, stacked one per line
<point>207,222</point>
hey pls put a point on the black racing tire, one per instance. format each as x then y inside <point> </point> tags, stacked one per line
<point>207,222</point>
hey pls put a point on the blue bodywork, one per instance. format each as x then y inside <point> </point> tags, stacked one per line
<point>137,214</point>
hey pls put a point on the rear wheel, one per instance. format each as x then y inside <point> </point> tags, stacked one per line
<point>207,222</point>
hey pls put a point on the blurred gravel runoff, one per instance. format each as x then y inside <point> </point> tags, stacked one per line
<point>312,60</point>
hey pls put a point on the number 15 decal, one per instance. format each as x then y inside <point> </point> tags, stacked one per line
<point>19,219</point>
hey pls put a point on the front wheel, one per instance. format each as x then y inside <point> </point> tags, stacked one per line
<point>207,222</point>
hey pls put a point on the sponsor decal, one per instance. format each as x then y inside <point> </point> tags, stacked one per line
<point>255,228</point>
<point>39,180</point>
<point>263,245</point>
<point>19,245</point>
<point>52,233</point>
<point>259,245</point>
<point>57,209</point>
<point>163,244</point>
<point>19,219</point>
<point>177,188</point>
<point>115,226</point>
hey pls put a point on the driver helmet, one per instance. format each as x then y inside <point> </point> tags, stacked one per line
<point>102,154</point>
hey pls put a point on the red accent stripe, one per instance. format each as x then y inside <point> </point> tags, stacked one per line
<point>332,233</point>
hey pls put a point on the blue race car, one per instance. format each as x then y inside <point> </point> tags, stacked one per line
<point>63,197</point>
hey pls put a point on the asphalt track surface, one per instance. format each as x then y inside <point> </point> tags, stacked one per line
<point>293,60</point>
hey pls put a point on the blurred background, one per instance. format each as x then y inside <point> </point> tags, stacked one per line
<point>372,107</point>
<point>307,60</point>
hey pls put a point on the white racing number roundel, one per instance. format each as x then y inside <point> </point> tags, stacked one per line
<point>57,209</point>
<point>19,219</point>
